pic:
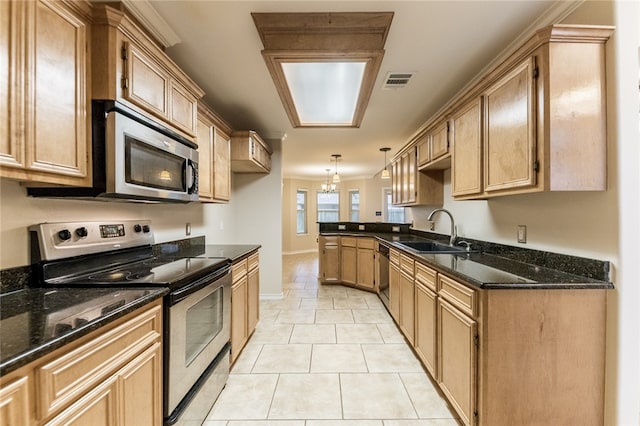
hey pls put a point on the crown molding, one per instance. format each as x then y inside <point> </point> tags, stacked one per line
<point>152,21</point>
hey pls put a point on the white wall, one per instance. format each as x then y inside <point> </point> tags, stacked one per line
<point>257,200</point>
<point>17,212</point>
<point>252,217</point>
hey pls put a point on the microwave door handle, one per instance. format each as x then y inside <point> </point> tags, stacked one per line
<point>191,177</point>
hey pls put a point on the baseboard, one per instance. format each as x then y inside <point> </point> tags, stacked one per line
<point>286,253</point>
<point>271,296</point>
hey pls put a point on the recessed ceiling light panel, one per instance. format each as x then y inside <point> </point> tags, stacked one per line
<point>324,92</point>
<point>324,65</point>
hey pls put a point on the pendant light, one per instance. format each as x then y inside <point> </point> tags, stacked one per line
<point>336,177</point>
<point>385,172</point>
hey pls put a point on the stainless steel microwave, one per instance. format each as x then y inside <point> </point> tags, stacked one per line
<point>135,159</point>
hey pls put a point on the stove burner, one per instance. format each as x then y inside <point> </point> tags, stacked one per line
<point>111,277</point>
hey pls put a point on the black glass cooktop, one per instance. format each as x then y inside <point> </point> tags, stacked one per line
<point>153,271</point>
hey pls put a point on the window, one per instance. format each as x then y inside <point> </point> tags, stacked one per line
<point>301,212</point>
<point>392,213</point>
<point>354,206</point>
<point>328,206</point>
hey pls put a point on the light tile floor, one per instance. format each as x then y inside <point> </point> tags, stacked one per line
<point>323,356</point>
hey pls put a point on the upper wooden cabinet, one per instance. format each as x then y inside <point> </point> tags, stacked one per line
<point>411,187</point>
<point>130,66</point>
<point>44,91</point>
<point>466,139</point>
<point>249,153</point>
<point>509,137</point>
<point>214,156</point>
<point>544,115</point>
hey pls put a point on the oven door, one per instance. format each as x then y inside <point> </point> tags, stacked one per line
<point>143,162</point>
<point>198,328</point>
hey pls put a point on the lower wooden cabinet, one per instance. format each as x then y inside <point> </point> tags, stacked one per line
<point>245,301</point>
<point>406,315</point>
<point>366,263</point>
<point>349,260</point>
<point>329,259</point>
<point>425,327</point>
<point>14,401</point>
<point>458,359</point>
<point>112,376</point>
<point>253,292</point>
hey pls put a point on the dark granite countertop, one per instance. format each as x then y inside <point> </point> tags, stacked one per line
<point>28,318</point>
<point>233,252</point>
<point>493,271</point>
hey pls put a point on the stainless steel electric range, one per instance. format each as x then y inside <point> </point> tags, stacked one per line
<point>196,329</point>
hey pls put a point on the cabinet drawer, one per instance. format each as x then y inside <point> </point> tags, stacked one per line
<point>73,374</point>
<point>367,243</point>
<point>459,295</point>
<point>239,270</point>
<point>426,276</point>
<point>253,261</point>
<point>406,265</point>
<point>349,241</point>
<point>394,257</point>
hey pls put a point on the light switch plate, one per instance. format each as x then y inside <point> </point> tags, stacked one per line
<point>395,229</point>
<point>522,234</point>
<point>360,227</point>
<point>342,227</point>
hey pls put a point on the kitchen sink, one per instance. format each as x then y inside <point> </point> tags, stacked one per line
<point>433,247</point>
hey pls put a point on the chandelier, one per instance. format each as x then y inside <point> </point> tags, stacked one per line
<point>328,186</point>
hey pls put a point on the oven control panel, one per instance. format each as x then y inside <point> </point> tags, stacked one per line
<point>66,239</point>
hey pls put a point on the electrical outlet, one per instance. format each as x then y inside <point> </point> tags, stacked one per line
<point>432,225</point>
<point>187,229</point>
<point>395,229</point>
<point>360,227</point>
<point>342,227</point>
<point>522,234</point>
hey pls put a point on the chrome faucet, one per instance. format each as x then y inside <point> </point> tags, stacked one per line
<point>452,240</point>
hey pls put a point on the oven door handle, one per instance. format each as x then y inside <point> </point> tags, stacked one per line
<point>184,292</point>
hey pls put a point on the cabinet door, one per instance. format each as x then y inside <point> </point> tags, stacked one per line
<point>396,182</point>
<point>407,296</point>
<point>366,268</point>
<point>510,130</point>
<point>204,139</point>
<point>221,166</point>
<point>329,259</point>
<point>425,327</point>
<point>99,407</point>
<point>458,358</point>
<point>423,150</point>
<point>253,302</point>
<point>147,83</point>
<point>238,317</point>
<point>45,92</point>
<point>349,259</point>
<point>439,142</point>
<point>394,291</point>
<point>140,385</point>
<point>466,135</point>
<point>183,107</point>
<point>14,402</point>
<point>11,73</point>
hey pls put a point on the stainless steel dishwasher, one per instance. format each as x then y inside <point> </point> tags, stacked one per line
<point>384,275</point>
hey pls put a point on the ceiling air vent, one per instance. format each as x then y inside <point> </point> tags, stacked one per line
<point>397,80</point>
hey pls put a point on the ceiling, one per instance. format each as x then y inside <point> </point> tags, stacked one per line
<point>445,43</point>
